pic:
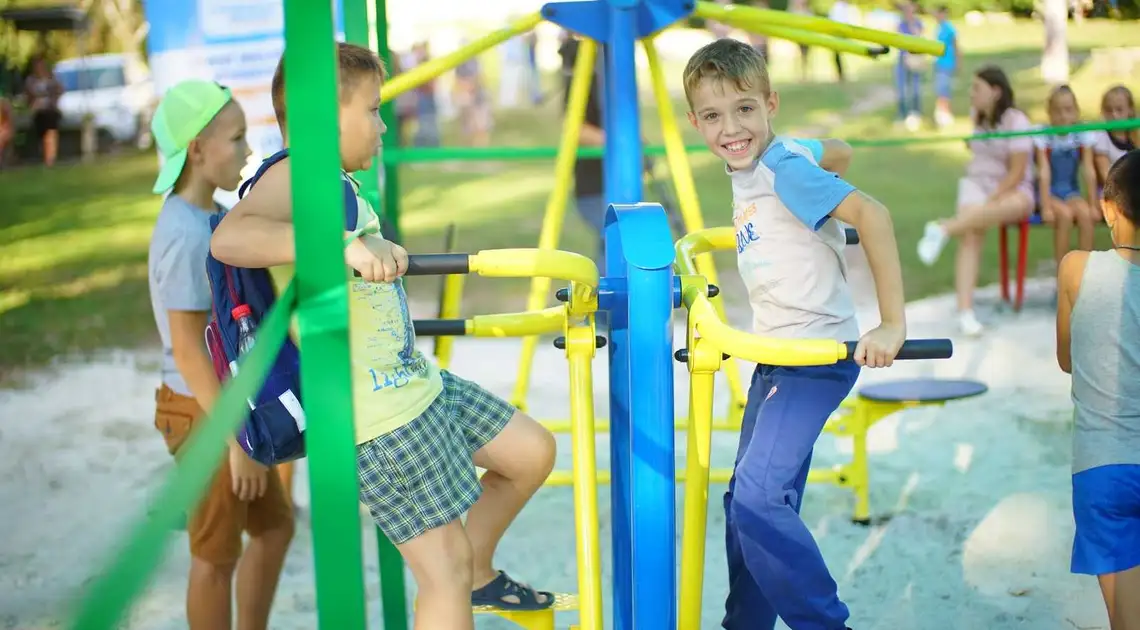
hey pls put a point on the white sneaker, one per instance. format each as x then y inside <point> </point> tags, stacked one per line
<point>969,325</point>
<point>913,122</point>
<point>943,119</point>
<point>932,242</point>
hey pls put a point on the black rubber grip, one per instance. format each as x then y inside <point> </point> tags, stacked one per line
<point>599,342</point>
<point>852,236</point>
<point>916,349</point>
<point>440,327</point>
<point>876,51</point>
<point>438,264</point>
<point>714,290</point>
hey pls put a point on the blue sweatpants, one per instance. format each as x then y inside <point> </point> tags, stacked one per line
<point>774,565</point>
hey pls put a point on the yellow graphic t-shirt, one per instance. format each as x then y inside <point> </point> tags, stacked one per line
<point>392,381</point>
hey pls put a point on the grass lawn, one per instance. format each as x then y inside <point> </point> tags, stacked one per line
<point>73,241</point>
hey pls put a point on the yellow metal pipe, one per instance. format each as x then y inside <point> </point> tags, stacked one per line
<point>694,244</point>
<point>729,14</point>
<point>696,506</point>
<point>529,262</point>
<point>810,38</point>
<point>415,77</point>
<point>716,475</point>
<point>791,352</point>
<point>555,215</point>
<point>580,352</point>
<point>517,324</point>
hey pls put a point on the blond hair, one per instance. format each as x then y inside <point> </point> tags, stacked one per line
<point>727,60</point>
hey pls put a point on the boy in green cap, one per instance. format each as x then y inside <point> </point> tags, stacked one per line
<point>201,133</point>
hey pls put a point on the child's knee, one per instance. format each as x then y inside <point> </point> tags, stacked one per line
<point>440,558</point>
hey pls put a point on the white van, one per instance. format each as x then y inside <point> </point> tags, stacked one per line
<point>115,89</point>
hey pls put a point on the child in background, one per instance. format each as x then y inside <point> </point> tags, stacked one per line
<point>420,431</point>
<point>1110,146</point>
<point>997,188</point>
<point>200,131</point>
<point>945,67</point>
<point>1064,163</point>
<point>1098,342</point>
<point>790,245</point>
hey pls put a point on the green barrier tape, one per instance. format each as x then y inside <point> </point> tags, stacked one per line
<point>490,154</point>
<point>113,591</point>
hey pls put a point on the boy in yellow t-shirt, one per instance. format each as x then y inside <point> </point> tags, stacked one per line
<point>420,431</point>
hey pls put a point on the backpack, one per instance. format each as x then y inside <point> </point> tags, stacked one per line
<point>274,431</point>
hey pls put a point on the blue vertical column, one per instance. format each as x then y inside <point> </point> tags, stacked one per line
<point>623,186</point>
<point>645,240</point>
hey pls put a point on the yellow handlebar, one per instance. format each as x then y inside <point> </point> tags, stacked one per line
<point>793,352</point>
<point>530,263</point>
<point>518,324</point>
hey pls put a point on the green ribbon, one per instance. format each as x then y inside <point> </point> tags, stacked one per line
<point>442,154</point>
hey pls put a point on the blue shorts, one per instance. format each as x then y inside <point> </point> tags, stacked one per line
<point>943,83</point>
<point>1106,509</point>
<point>1064,190</point>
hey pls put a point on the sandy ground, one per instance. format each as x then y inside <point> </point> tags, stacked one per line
<point>978,491</point>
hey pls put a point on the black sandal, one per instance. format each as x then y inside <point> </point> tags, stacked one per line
<point>494,594</point>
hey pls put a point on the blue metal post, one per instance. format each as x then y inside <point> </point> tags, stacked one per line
<point>623,185</point>
<point>643,234</point>
<point>638,292</point>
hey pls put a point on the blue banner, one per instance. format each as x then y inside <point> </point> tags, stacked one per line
<point>234,42</point>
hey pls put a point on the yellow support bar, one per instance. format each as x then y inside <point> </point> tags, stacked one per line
<point>555,215</point>
<point>423,73</point>
<point>580,350</point>
<point>528,263</point>
<point>810,38</point>
<point>790,352</point>
<point>517,324</point>
<point>732,14</point>
<point>695,244</point>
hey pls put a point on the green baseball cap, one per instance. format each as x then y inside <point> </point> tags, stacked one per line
<point>183,113</point>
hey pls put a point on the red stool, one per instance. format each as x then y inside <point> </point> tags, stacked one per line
<point>1022,258</point>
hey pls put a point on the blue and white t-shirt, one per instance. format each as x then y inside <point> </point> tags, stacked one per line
<point>789,249</point>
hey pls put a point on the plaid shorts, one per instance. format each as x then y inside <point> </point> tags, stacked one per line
<point>421,476</point>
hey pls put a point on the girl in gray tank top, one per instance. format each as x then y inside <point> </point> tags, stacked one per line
<point>1098,342</point>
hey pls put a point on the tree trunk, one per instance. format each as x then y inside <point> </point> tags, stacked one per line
<point>1055,57</point>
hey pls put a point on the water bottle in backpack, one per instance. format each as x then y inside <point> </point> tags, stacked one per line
<point>243,315</point>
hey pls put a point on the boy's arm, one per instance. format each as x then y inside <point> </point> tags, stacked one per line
<point>190,356</point>
<point>1069,274</point>
<point>836,156</point>
<point>258,232</point>
<point>877,235</point>
<point>831,154</point>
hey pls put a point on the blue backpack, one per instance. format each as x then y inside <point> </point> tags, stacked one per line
<point>274,431</point>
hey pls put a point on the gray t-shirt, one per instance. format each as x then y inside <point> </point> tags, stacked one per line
<point>1104,327</point>
<point>789,249</point>
<point>176,267</point>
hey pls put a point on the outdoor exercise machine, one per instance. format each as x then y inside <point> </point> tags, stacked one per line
<point>650,17</point>
<point>639,290</point>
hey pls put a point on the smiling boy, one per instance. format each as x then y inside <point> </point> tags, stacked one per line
<point>787,211</point>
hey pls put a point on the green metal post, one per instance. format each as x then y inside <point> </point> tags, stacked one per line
<point>318,208</point>
<point>392,137</point>
<point>393,591</point>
